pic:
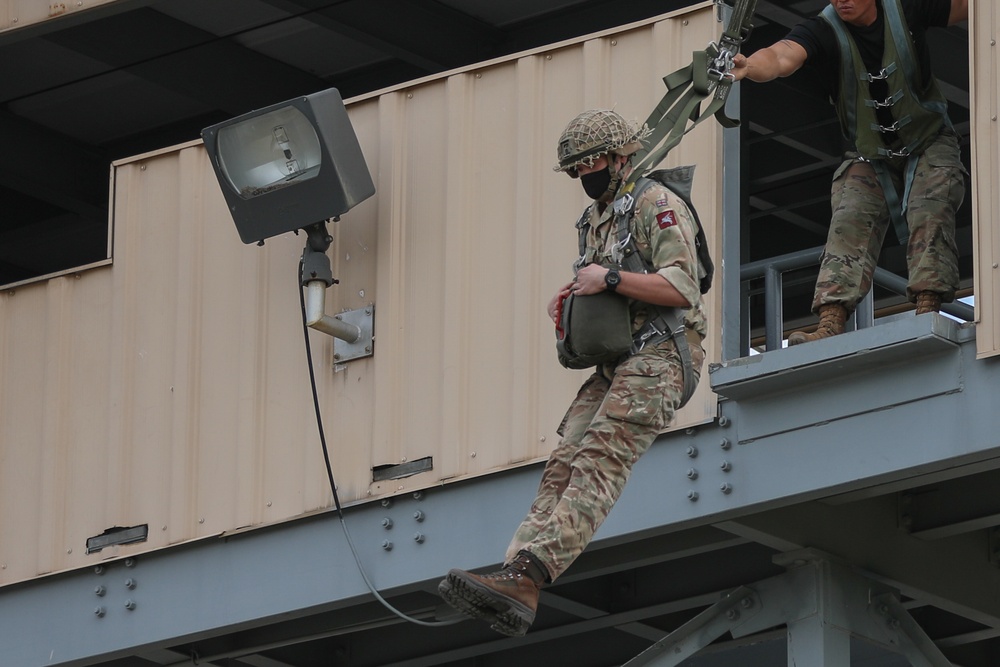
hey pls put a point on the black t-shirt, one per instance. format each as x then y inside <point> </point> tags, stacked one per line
<point>823,53</point>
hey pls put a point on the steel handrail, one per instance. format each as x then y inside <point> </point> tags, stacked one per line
<point>773,268</point>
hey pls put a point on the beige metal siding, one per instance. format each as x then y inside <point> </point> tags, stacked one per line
<point>171,388</point>
<point>985,88</point>
<point>22,13</point>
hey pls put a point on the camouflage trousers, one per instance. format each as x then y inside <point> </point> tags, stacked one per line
<point>861,218</point>
<point>612,422</point>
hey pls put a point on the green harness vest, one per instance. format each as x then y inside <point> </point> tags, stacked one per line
<point>918,111</point>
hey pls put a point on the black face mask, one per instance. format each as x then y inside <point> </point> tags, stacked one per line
<point>596,183</point>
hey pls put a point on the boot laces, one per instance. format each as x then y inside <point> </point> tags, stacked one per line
<point>516,569</point>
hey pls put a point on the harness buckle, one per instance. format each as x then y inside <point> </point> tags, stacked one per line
<point>890,153</point>
<point>623,204</point>
<point>650,331</point>
<point>890,128</point>
<point>885,104</point>
<point>881,76</point>
<point>722,65</point>
<point>618,249</point>
<point>640,344</point>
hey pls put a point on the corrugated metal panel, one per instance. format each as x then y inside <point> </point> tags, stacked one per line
<point>479,232</point>
<point>22,13</point>
<point>984,22</point>
<point>171,388</point>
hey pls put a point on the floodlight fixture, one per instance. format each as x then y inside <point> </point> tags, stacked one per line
<point>289,165</point>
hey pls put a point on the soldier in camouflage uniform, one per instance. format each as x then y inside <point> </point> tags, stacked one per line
<point>622,407</point>
<point>904,160</point>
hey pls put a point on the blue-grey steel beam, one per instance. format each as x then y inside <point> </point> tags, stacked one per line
<point>727,274</point>
<point>901,400</point>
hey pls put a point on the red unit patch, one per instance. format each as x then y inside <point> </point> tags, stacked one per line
<point>666,219</point>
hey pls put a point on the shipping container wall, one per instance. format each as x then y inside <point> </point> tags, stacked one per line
<point>171,390</point>
<point>984,26</point>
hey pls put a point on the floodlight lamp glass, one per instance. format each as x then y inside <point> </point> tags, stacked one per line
<point>289,166</point>
<point>269,152</point>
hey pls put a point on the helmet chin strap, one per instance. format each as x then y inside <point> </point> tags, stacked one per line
<point>617,173</point>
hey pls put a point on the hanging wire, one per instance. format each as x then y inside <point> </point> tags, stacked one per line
<point>333,484</point>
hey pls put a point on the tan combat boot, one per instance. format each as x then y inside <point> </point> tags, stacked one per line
<point>928,302</point>
<point>506,599</point>
<point>831,322</point>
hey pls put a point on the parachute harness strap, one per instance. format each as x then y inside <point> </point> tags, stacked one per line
<point>708,76</point>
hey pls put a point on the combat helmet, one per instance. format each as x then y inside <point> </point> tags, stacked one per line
<point>593,133</point>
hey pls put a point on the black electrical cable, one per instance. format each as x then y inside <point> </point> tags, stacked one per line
<point>333,484</point>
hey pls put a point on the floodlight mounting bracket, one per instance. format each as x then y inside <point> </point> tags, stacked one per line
<point>352,329</point>
<point>315,262</point>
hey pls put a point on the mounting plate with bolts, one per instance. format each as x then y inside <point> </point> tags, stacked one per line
<point>364,346</point>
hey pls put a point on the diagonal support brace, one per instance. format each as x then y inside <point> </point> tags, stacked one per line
<point>904,633</point>
<point>823,605</point>
<point>701,630</point>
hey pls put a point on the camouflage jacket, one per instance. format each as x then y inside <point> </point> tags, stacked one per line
<point>664,232</point>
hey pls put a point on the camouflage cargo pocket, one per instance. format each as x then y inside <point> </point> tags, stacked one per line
<point>636,397</point>
<point>943,177</point>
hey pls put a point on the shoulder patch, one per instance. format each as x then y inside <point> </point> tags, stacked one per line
<point>662,203</point>
<point>666,219</point>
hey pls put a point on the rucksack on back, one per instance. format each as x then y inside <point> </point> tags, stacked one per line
<point>679,181</point>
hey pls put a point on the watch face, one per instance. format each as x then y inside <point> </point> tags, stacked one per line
<point>612,278</point>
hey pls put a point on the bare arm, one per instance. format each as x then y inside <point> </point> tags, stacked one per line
<point>959,11</point>
<point>780,59</point>
<point>646,287</point>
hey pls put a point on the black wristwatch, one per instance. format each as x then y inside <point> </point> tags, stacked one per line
<point>612,279</point>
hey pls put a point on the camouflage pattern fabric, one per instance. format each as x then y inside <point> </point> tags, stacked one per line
<point>621,408</point>
<point>664,230</point>
<point>609,425</point>
<point>861,218</point>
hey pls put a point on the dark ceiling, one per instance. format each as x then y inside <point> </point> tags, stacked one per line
<point>137,75</point>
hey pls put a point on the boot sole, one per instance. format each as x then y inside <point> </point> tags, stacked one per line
<point>506,616</point>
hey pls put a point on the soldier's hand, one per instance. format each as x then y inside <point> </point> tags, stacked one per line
<point>739,69</point>
<point>590,280</point>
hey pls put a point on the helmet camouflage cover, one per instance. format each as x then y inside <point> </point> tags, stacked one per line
<point>594,133</point>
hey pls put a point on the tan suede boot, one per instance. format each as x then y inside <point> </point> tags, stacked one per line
<point>506,599</point>
<point>928,302</point>
<point>831,322</point>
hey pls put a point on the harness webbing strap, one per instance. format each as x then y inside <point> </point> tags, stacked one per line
<point>687,88</point>
<point>893,201</point>
<point>663,322</point>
